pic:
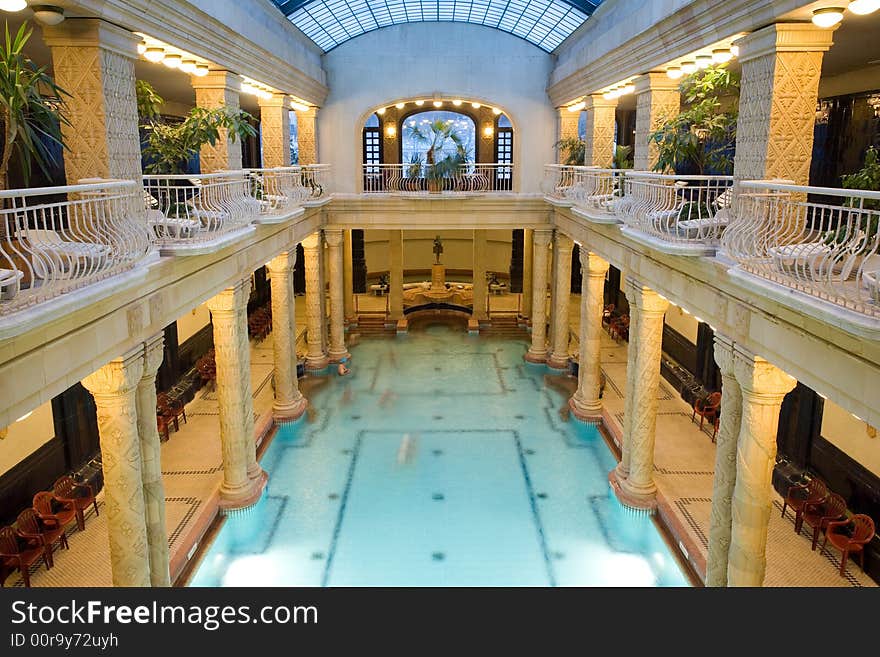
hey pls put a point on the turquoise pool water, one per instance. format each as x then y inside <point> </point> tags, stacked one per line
<point>441,460</point>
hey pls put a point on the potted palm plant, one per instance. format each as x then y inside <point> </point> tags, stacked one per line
<point>439,136</point>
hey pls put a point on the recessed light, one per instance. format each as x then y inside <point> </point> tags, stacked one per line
<point>827,17</point>
<point>674,72</point>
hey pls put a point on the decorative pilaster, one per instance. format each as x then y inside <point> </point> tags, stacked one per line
<point>585,403</point>
<point>781,67</point>
<point>114,389</point>
<point>630,289</point>
<point>600,131</point>
<point>243,479</point>
<point>93,61</point>
<point>289,402</point>
<point>725,465</point>
<point>527,273</point>
<point>657,101</point>
<point>537,353</point>
<point>561,294</point>
<point>395,275</point>
<point>316,358</point>
<point>348,279</point>
<point>219,89</point>
<point>275,130</point>
<point>307,135</point>
<point>566,128</point>
<point>337,351</point>
<point>480,285</point>
<point>638,490</point>
<point>763,388</point>
<point>151,464</point>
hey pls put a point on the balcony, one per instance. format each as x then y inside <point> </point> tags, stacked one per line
<point>816,252</point>
<point>680,215</point>
<point>59,239</point>
<point>591,192</point>
<point>418,180</point>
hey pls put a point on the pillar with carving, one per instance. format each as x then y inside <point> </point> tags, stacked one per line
<point>725,465</point>
<point>395,274</point>
<point>638,490</point>
<point>599,151</point>
<point>630,289</point>
<point>561,295</point>
<point>348,279</point>
<point>307,135</point>
<point>337,351</point>
<point>779,89</point>
<point>480,285</point>
<point>93,61</point>
<point>219,89</point>
<point>243,479</point>
<point>114,388</point>
<point>151,464</point>
<point>537,352</point>
<point>566,128</point>
<point>657,101</point>
<point>275,130</point>
<point>316,358</point>
<point>289,402</point>
<point>585,403</point>
<point>763,387</point>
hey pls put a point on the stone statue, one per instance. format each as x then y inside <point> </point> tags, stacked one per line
<point>438,249</point>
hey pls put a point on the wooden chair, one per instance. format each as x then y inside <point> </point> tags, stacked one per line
<point>30,526</point>
<point>21,552</point>
<point>819,515</point>
<point>619,328</point>
<point>78,494</point>
<point>53,511</point>
<point>162,426</point>
<point>799,495</point>
<point>170,408</point>
<point>607,314</point>
<point>708,409</point>
<point>862,533</point>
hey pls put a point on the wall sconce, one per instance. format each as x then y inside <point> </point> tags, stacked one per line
<point>391,131</point>
<point>488,130</point>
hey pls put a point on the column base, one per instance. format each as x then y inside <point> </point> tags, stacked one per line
<point>316,362</point>
<point>557,362</point>
<point>285,413</point>
<point>637,500</point>
<point>247,497</point>
<point>590,415</point>
<point>338,356</point>
<point>536,356</point>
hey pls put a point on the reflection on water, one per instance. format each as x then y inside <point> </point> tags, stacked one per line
<point>441,459</point>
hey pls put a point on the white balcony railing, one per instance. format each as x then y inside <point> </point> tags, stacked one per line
<point>559,179</point>
<point>595,191</point>
<point>685,215</point>
<point>828,249</point>
<point>58,239</point>
<point>419,179</point>
<point>279,190</point>
<point>316,178</point>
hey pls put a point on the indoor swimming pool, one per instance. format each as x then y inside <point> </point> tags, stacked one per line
<point>442,460</point>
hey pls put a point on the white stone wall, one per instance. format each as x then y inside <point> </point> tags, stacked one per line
<point>458,250</point>
<point>451,59</point>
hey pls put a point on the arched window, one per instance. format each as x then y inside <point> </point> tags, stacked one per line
<point>372,141</point>
<point>435,135</point>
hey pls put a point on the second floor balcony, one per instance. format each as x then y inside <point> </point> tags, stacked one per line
<point>432,181</point>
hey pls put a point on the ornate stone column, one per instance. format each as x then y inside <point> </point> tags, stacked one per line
<point>630,289</point>
<point>151,463</point>
<point>307,135</point>
<point>585,403</point>
<point>537,353</point>
<point>600,131</point>
<point>763,387</point>
<point>219,89</point>
<point>289,402</point>
<point>395,277</point>
<point>348,279</point>
<point>337,351</point>
<point>781,67</point>
<point>316,358</point>
<point>566,128</point>
<point>243,479</point>
<point>561,295</point>
<point>479,276</point>
<point>657,101</point>
<point>527,273</point>
<point>638,490</point>
<point>275,130</point>
<point>725,465</point>
<point>113,387</point>
<point>93,61</point>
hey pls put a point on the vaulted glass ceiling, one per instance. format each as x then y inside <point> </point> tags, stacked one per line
<point>546,23</point>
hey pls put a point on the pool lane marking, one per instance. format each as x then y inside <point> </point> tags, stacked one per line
<point>341,513</point>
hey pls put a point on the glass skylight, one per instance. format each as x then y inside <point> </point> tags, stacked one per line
<point>546,23</point>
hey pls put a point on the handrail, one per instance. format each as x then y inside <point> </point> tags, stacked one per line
<point>419,179</point>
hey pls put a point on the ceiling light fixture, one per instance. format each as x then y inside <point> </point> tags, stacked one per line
<point>400,105</point>
<point>863,7</point>
<point>419,103</point>
<point>609,95</point>
<point>438,103</point>
<point>172,61</point>
<point>628,88</point>
<point>201,70</point>
<point>721,55</point>
<point>48,14</point>
<point>299,107</point>
<point>476,105</point>
<point>142,47</point>
<point>704,61</point>
<point>688,67</point>
<point>674,72</point>
<point>827,17</point>
<point>188,66</point>
<point>154,54</point>
<point>577,107</point>
<point>457,102</point>
<point>13,5</point>
<point>496,111</point>
<point>734,50</point>
<point>380,111</point>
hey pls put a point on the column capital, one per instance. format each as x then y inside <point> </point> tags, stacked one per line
<point>217,79</point>
<point>333,236</point>
<point>654,81</point>
<point>312,112</point>
<point>283,262</point>
<point>232,299</point>
<point>563,241</point>
<point>118,377</point>
<point>649,302</point>
<point>724,354</point>
<point>597,101</point>
<point>760,380</point>
<point>311,242</point>
<point>592,264</point>
<point>154,353</point>
<point>275,100</point>
<point>785,37</point>
<point>92,33</point>
<point>542,237</point>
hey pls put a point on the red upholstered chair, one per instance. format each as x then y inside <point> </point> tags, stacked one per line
<point>52,511</point>
<point>862,533</point>
<point>21,552</point>
<point>819,515</point>
<point>813,492</point>
<point>708,409</point>
<point>80,495</point>
<point>29,525</point>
